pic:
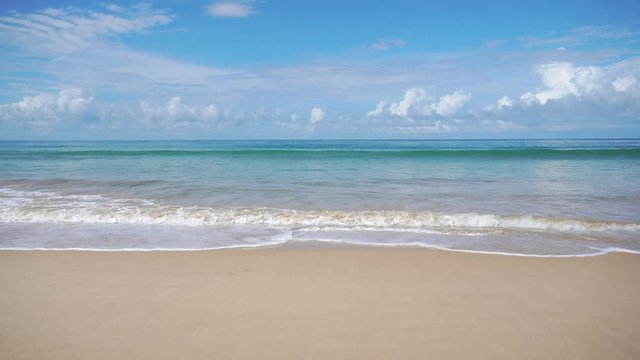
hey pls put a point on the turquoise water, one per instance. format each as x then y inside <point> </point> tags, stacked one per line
<point>532,197</point>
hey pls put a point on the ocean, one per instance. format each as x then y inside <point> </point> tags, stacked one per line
<point>517,197</point>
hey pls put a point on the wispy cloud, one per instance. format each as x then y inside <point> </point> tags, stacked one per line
<point>230,9</point>
<point>494,43</point>
<point>388,44</point>
<point>69,28</point>
<point>583,35</point>
<point>88,42</point>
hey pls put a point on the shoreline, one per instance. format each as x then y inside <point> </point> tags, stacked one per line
<point>338,302</point>
<point>324,244</point>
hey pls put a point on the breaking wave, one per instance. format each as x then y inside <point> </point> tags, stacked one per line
<point>50,207</point>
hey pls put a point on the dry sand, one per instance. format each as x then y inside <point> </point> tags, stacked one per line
<point>317,303</point>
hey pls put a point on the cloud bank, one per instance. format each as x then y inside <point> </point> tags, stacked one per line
<point>47,109</point>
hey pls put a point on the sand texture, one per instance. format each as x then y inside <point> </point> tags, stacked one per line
<point>317,303</point>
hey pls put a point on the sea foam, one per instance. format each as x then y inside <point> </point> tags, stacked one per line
<point>19,206</point>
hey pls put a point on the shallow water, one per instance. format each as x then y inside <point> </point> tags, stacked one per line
<point>535,197</point>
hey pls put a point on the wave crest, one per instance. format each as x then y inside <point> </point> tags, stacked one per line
<point>49,207</point>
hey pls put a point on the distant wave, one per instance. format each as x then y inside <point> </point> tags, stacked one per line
<point>50,207</point>
<point>342,153</point>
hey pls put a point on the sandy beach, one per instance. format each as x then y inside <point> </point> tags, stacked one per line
<point>317,303</point>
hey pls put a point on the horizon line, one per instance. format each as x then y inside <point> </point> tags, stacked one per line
<point>341,139</point>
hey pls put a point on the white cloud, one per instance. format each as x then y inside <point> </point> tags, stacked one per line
<point>230,9</point>
<point>70,28</point>
<point>114,7</point>
<point>159,70</point>
<point>584,35</point>
<point>387,44</point>
<point>587,79</point>
<point>416,103</point>
<point>175,114</point>
<point>167,93</point>
<point>563,79</point>
<point>599,84</point>
<point>573,98</point>
<point>98,59</point>
<point>622,84</point>
<point>46,109</point>
<point>504,102</point>
<point>603,32</point>
<point>450,104</point>
<point>317,115</point>
<point>72,101</point>
<point>378,111</point>
<point>412,98</point>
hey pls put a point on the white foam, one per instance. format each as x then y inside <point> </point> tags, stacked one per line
<point>599,252</point>
<point>49,207</point>
<point>398,229</point>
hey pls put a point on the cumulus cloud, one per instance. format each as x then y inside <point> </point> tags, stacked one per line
<point>317,115</point>
<point>175,114</point>
<point>450,104</point>
<point>572,97</point>
<point>563,79</point>
<point>412,100</point>
<point>416,103</point>
<point>378,111</point>
<point>622,84</point>
<point>46,109</point>
<point>504,102</point>
<point>70,28</point>
<point>230,9</point>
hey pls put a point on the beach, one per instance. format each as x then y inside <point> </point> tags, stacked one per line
<point>319,302</point>
<point>275,180</point>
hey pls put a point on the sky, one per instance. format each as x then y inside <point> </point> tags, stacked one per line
<point>287,69</point>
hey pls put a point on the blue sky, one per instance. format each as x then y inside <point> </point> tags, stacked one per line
<point>331,69</point>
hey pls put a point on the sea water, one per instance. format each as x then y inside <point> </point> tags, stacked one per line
<point>521,197</point>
